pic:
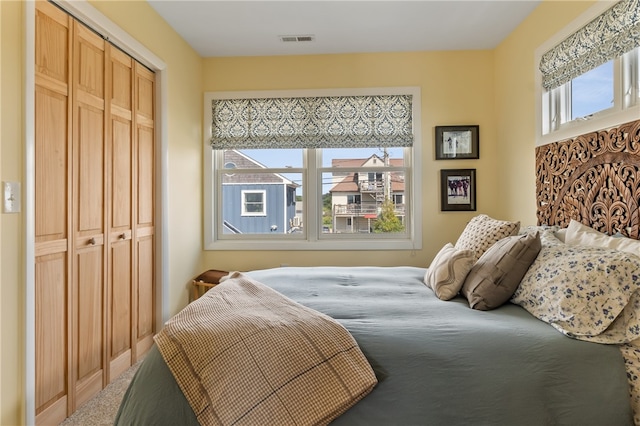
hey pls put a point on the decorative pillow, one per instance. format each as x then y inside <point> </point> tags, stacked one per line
<point>532,229</point>
<point>496,275</point>
<point>483,231</point>
<point>448,271</point>
<point>579,234</point>
<point>588,293</point>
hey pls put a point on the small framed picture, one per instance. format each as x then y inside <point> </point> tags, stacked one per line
<point>457,142</point>
<point>458,189</point>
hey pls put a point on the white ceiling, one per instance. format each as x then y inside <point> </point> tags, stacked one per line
<point>253,28</point>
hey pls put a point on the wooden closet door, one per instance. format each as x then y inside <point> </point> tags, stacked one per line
<point>94,244</point>
<point>120,276</point>
<point>52,219</point>
<point>144,232</point>
<point>89,206</point>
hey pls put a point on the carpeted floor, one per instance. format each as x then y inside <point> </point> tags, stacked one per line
<point>102,408</point>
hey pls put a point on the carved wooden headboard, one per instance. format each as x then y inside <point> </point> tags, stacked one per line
<point>594,179</point>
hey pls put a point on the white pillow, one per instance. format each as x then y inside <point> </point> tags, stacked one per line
<point>579,234</point>
<point>561,234</point>
<point>448,270</point>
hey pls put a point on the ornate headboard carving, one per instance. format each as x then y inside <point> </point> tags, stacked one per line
<point>593,178</point>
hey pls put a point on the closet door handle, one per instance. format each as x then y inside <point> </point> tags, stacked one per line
<point>122,236</point>
<point>92,241</point>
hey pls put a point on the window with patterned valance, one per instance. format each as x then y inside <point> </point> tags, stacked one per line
<point>610,35</point>
<point>312,122</point>
<point>327,161</point>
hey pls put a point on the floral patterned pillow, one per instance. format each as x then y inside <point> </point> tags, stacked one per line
<point>588,293</point>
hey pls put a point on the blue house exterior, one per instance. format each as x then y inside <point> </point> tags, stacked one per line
<point>256,203</point>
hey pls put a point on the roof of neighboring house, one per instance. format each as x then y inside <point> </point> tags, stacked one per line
<point>358,162</point>
<point>241,161</point>
<point>350,184</point>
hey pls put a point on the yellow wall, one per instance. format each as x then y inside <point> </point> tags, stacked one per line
<point>456,88</point>
<point>494,89</point>
<point>11,236</point>
<point>515,98</point>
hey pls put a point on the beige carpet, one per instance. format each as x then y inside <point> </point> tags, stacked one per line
<point>102,408</point>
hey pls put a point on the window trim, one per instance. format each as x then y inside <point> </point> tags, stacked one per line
<point>611,117</point>
<point>312,239</point>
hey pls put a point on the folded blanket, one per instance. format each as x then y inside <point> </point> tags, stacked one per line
<point>245,354</point>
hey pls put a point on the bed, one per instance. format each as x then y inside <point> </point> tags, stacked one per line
<point>511,325</point>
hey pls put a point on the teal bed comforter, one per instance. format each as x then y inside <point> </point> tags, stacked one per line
<point>437,362</point>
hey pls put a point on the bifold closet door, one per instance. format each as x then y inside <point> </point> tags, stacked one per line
<point>94,244</point>
<point>52,208</point>
<point>144,224</point>
<point>120,219</point>
<point>90,203</point>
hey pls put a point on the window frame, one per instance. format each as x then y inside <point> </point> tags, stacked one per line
<point>550,105</point>
<point>313,237</point>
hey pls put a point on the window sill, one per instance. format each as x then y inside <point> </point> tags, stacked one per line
<point>333,244</point>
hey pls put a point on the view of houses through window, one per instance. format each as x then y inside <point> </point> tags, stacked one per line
<point>360,191</point>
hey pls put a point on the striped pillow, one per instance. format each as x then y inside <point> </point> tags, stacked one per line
<point>448,270</point>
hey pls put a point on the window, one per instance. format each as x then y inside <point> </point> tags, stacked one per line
<point>590,79</point>
<point>253,203</point>
<point>285,195</point>
<point>353,199</point>
<point>591,92</point>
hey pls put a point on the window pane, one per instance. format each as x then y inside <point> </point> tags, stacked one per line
<point>354,195</point>
<point>261,202</point>
<point>274,158</point>
<point>592,91</point>
<point>347,157</point>
<point>355,203</point>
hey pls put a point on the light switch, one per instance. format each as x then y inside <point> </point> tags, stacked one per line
<point>11,197</point>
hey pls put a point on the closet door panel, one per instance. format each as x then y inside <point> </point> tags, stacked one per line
<point>145,176</point>
<point>121,261</point>
<point>52,111</point>
<point>146,292</point>
<point>89,302</point>
<point>122,82</point>
<point>90,203</point>
<point>52,41</point>
<point>51,165</point>
<point>90,184</point>
<point>51,329</point>
<point>121,305</point>
<point>89,52</point>
<point>144,108</point>
<point>88,328</point>
<point>121,179</point>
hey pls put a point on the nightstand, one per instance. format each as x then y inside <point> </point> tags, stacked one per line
<point>206,281</point>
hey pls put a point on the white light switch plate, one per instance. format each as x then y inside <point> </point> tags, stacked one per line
<point>11,202</point>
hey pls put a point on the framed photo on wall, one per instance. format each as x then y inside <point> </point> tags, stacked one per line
<point>458,189</point>
<point>457,142</point>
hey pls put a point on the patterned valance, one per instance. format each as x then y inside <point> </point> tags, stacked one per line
<point>312,122</point>
<point>610,35</point>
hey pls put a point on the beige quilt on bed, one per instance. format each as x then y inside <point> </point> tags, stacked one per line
<point>245,354</point>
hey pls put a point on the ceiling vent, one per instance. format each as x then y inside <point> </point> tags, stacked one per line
<point>296,38</point>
